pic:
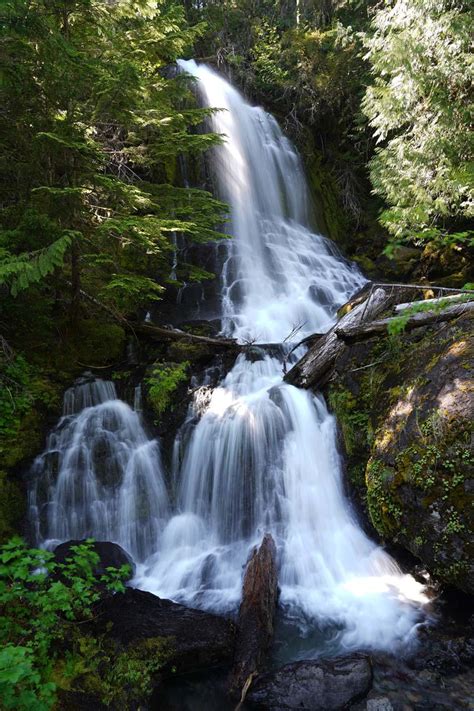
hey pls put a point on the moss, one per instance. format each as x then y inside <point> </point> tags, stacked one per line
<point>185,352</point>
<point>403,407</point>
<point>366,264</point>
<point>117,677</point>
<point>352,421</point>
<point>384,506</point>
<point>330,217</point>
<point>98,343</point>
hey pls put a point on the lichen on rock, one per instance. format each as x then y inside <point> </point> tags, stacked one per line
<point>406,410</point>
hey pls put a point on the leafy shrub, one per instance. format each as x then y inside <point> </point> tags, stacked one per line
<point>162,383</point>
<point>41,602</point>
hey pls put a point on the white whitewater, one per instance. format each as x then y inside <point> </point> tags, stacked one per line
<point>99,476</point>
<point>256,455</point>
<point>263,454</point>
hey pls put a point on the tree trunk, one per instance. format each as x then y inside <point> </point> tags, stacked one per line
<point>256,613</point>
<point>75,281</point>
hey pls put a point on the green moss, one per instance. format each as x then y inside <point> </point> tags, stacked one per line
<point>162,382</point>
<point>185,351</point>
<point>413,443</point>
<point>98,343</point>
<point>330,216</point>
<point>119,678</point>
<point>353,422</point>
<point>384,506</point>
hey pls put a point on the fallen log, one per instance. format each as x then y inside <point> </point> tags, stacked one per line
<point>160,332</point>
<point>354,332</point>
<point>440,300</point>
<point>174,334</point>
<point>256,614</point>
<point>316,366</point>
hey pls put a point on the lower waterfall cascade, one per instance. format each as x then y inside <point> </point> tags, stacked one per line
<point>255,455</point>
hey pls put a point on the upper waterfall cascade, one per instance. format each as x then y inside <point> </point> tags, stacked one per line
<point>256,455</point>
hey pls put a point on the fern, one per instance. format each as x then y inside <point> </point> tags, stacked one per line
<point>18,272</point>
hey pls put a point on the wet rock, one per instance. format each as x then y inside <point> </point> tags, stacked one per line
<point>111,555</point>
<point>198,640</point>
<point>445,649</point>
<point>381,703</point>
<point>313,685</point>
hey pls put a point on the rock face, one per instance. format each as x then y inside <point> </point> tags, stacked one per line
<point>197,639</point>
<point>313,685</point>
<point>405,408</point>
<point>111,556</point>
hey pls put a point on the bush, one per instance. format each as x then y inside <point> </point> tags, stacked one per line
<point>41,602</point>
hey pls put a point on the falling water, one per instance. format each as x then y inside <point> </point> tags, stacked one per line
<point>255,455</point>
<point>99,476</point>
<point>263,454</point>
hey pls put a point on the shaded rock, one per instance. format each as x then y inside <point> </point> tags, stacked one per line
<point>401,263</point>
<point>256,613</point>
<point>313,685</point>
<point>111,555</point>
<point>198,640</point>
<point>446,649</point>
<point>406,410</point>
<point>380,703</point>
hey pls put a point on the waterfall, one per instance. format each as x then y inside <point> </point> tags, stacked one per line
<point>255,455</point>
<point>99,476</point>
<point>263,456</point>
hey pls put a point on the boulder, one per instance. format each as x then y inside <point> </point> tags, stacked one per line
<point>405,409</point>
<point>313,685</point>
<point>111,555</point>
<point>198,640</point>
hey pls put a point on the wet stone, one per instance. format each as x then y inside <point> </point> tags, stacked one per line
<point>313,685</point>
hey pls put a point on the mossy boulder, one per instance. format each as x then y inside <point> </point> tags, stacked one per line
<point>405,410</point>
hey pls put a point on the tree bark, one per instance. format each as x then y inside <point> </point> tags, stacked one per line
<point>256,614</point>
<point>75,280</point>
<point>353,333</point>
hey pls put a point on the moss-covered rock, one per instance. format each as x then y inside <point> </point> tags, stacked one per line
<point>405,410</point>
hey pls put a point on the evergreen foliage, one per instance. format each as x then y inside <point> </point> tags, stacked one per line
<point>92,127</point>
<point>419,104</point>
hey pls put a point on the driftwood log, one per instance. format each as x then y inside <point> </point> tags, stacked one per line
<point>256,614</point>
<point>353,333</point>
<point>359,322</point>
<point>315,368</point>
